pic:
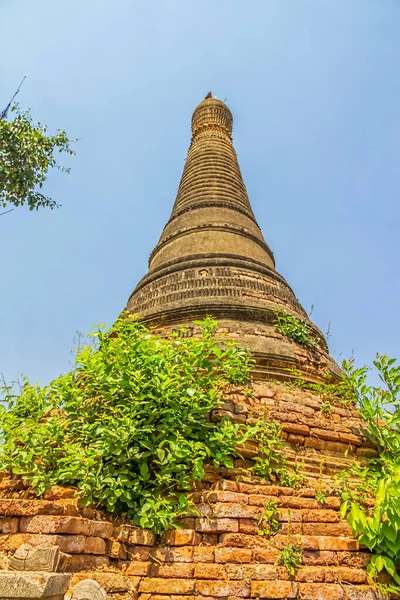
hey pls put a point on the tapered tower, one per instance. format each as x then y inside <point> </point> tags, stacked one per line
<point>212,258</point>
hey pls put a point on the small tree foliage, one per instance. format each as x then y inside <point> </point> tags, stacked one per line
<point>378,528</point>
<point>26,155</point>
<point>293,328</point>
<point>129,426</point>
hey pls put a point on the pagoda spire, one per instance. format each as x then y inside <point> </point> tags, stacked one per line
<point>212,258</point>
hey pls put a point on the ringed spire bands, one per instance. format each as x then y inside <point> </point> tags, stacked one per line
<point>212,258</point>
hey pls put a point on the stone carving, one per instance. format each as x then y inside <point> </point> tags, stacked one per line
<point>88,589</point>
<point>38,558</point>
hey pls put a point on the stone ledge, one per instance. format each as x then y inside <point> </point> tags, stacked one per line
<point>34,585</point>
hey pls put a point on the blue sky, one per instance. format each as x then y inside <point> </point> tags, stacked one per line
<point>314,88</point>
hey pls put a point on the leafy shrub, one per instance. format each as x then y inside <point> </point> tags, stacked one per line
<point>129,425</point>
<point>268,520</point>
<point>291,557</point>
<point>379,528</point>
<point>295,329</point>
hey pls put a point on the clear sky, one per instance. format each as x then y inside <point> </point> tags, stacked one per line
<point>314,88</point>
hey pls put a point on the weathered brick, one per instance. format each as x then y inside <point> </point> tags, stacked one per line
<point>209,539</point>
<point>94,545</point>
<point>179,554</point>
<point>25,508</point>
<point>54,524</point>
<point>243,540</point>
<point>345,575</point>
<point>332,502</point>
<point>167,586</point>
<point>9,524</point>
<point>71,544</point>
<point>182,537</point>
<point>224,496</point>
<point>308,542</point>
<point>336,436</point>
<point>141,537</point>
<point>354,559</point>
<point>203,554</point>
<point>102,529</point>
<point>137,553</point>
<point>140,569</point>
<point>116,549</point>
<point>220,589</point>
<point>73,563</point>
<point>314,591</point>
<point>307,574</point>
<point>217,525</point>
<point>248,526</point>
<point>232,555</point>
<point>337,543</point>
<point>234,511</point>
<point>296,428</point>
<point>111,581</point>
<point>320,557</point>
<point>265,555</point>
<point>172,570</point>
<point>274,589</point>
<point>209,571</point>
<point>335,529</point>
<point>320,516</point>
<point>297,502</point>
<point>360,592</point>
<point>287,514</point>
<point>261,499</point>
<point>252,572</point>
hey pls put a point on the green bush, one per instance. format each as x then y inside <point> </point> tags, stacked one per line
<point>295,329</point>
<point>378,528</point>
<point>129,426</point>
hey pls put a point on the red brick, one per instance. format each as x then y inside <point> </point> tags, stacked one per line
<point>337,543</point>
<point>167,586</point>
<point>71,544</point>
<point>140,537</point>
<point>297,502</point>
<point>296,428</point>
<point>182,537</point>
<point>318,557</point>
<point>248,526</point>
<point>354,559</point>
<point>224,496</point>
<point>203,554</point>
<point>243,540</point>
<point>102,529</point>
<point>24,508</point>
<point>94,545</point>
<point>73,563</point>
<point>220,589</point>
<point>234,511</point>
<point>316,591</point>
<point>261,499</point>
<point>274,589</point>
<point>54,524</point>
<point>172,570</point>
<point>232,555</point>
<point>345,575</point>
<point>217,525</point>
<point>308,542</point>
<point>9,525</point>
<point>209,539</point>
<point>334,529</point>
<point>306,574</point>
<point>332,502</point>
<point>266,555</point>
<point>178,554</point>
<point>360,592</point>
<point>287,514</point>
<point>209,571</point>
<point>336,436</point>
<point>138,553</point>
<point>116,549</point>
<point>252,572</point>
<point>140,569</point>
<point>320,516</point>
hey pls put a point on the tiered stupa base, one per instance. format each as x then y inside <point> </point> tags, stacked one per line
<point>220,553</point>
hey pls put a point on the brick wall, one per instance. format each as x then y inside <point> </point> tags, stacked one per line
<point>220,553</point>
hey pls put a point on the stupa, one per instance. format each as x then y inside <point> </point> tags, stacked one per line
<point>212,259</point>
